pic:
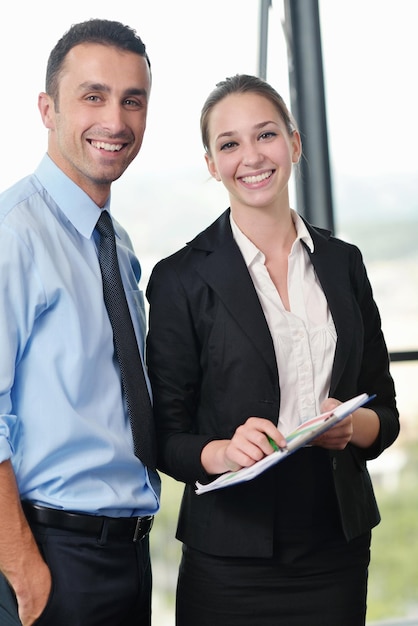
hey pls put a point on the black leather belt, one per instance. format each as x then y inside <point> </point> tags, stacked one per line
<point>133,528</point>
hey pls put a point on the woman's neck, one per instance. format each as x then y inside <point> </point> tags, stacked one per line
<point>270,232</point>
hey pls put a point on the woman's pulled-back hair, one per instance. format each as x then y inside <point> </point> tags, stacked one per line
<point>243,83</point>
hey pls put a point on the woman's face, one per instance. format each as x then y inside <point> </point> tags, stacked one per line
<point>251,151</point>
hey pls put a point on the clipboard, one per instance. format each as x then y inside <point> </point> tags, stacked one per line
<point>298,438</point>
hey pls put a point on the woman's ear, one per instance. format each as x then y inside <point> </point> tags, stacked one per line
<point>296,146</point>
<point>211,167</point>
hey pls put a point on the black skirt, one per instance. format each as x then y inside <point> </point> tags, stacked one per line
<point>314,578</point>
<point>324,588</point>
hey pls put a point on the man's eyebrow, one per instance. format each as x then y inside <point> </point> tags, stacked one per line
<point>133,91</point>
<point>94,87</point>
<point>136,91</point>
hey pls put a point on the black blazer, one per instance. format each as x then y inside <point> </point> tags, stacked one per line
<point>212,364</point>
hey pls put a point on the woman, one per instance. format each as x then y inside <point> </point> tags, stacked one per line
<point>259,323</point>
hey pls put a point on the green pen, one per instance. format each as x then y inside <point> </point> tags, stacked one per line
<point>273,444</point>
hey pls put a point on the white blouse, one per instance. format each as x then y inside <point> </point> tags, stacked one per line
<point>305,338</point>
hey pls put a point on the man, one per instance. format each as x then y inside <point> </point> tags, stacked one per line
<point>76,502</point>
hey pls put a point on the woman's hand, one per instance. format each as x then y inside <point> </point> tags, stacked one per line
<point>249,444</point>
<point>337,437</point>
<point>360,428</point>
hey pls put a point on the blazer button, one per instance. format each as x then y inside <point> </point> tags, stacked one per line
<point>334,463</point>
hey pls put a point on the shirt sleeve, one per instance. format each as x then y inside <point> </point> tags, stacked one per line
<point>22,300</point>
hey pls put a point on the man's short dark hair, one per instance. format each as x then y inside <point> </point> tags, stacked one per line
<point>106,32</point>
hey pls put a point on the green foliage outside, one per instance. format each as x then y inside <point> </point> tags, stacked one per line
<point>393,580</point>
<point>165,549</point>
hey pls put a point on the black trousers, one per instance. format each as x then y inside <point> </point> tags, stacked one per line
<point>97,581</point>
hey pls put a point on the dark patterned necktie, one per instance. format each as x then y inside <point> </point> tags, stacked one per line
<point>126,347</point>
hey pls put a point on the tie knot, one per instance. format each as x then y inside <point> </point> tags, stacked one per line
<point>104,225</point>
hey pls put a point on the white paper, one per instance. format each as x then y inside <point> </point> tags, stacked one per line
<point>298,438</point>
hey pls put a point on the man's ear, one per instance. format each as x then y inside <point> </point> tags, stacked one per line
<point>47,110</point>
<point>211,167</point>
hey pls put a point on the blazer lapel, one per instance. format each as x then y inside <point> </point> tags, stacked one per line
<point>335,283</point>
<point>225,271</point>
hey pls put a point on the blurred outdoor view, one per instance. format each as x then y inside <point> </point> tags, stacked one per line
<point>370,50</point>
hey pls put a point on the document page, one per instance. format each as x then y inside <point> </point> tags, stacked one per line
<point>298,438</point>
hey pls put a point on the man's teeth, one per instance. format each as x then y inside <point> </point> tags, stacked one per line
<point>112,147</point>
<point>256,179</point>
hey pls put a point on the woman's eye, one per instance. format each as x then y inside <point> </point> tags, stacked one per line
<point>228,145</point>
<point>268,135</point>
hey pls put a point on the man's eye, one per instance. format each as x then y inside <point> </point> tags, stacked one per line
<point>132,103</point>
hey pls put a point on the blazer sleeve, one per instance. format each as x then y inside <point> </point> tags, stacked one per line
<point>374,373</point>
<point>175,373</point>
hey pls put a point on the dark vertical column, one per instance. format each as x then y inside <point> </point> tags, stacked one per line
<point>263,38</point>
<point>307,92</point>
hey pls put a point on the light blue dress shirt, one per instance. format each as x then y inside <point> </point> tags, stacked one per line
<point>63,422</point>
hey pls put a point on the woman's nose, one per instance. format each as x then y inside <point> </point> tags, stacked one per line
<point>252,155</point>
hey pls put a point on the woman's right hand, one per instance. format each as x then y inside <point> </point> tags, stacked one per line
<point>251,442</point>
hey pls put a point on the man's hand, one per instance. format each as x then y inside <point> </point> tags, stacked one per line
<point>33,591</point>
<point>20,560</point>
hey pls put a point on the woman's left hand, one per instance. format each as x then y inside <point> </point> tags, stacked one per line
<point>337,437</point>
<point>360,428</point>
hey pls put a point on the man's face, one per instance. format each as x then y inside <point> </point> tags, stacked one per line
<point>96,126</point>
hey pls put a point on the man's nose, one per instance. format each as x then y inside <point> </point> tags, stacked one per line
<point>113,117</point>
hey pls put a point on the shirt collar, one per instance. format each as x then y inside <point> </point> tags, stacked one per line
<point>250,252</point>
<point>76,205</point>
<point>301,231</point>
